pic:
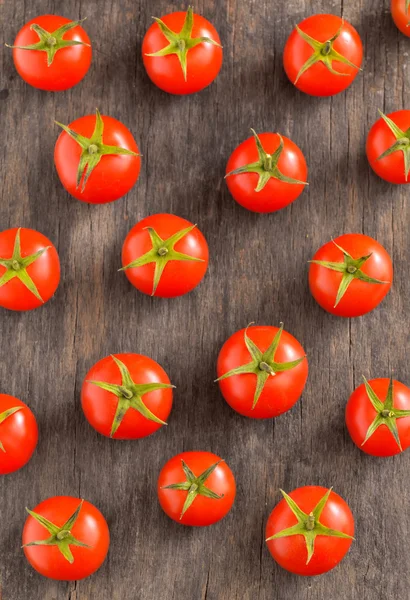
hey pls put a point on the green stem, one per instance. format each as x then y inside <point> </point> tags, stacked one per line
<point>310,524</point>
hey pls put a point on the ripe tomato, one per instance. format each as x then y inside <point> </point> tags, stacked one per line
<point>29,269</point>
<point>65,538</point>
<point>126,396</point>
<point>266,173</point>
<point>388,146</point>
<point>196,488</point>
<point>97,159</point>
<point>351,275</point>
<point>182,53</point>
<point>18,434</point>
<point>323,55</point>
<point>52,53</point>
<point>378,417</point>
<point>262,371</point>
<point>310,530</point>
<point>164,255</point>
<point>400,11</point>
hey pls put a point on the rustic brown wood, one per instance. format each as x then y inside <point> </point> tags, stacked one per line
<point>258,272</point>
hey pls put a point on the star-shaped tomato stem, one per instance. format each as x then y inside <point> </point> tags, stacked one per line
<point>194,485</point>
<point>324,53</point>
<point>16,266</point>
<point>93,149</point>
<point>402,143</point>
<point>59,536</point>
<point>130,395</point>
<point>308,525</point>
<point>351,268</point>
<point>181,43</point>
<point>5,415</point>
<point>386,414</point>
<point>266,166</point>
<point>263,364</point>
<point>52,42</point>
<point>161,253</point>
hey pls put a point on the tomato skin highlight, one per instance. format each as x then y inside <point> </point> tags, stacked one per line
<point>290,552</point>
<point>70,65</point>
<point>18,435</point>
<point>380,138</point>
<point>400,16</point>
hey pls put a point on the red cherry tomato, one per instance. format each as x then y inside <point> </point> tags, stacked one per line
<point>400,11</point>
<point>196,488</point>
<point>351,275</point>
<point>323,55</point>
<point>55,65</point>
<point>164,255</point>
<point>388,145</point>
<point>18,434</point>
<point>77,538</point>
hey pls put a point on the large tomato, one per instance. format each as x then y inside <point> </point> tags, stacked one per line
<point>323,55</point>
<point>97,159</point>
<point>378,417</point>
<point>182,52</point>
<point>262,371</point>
<point>266,172</point>
<point>400,11</point>
<point>310,530</point>
<point>126,396</point>
<point>351,275</point>
<point>52,53</point>
<point>29,269</point>
<point>196,488</point>
<point>18,434</point>
<point>65,538</point>
<point>388,146</point>
<point>165,255</point>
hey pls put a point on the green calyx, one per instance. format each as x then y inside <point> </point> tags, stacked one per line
<point>130,395</point>
<point>194,486</point>
<point>52,42</point>
<point>16,266</point>
<point>324,53</point>
<point>263,364</point>
<point>161,253</point>
<point>5,415</point>
<point>181,43</point>
<point>93,149</point>
<point>308,525</point>
<point>59,536</point>
<point>386,413</point>
<point>402,143</point>
<point>350,269</point>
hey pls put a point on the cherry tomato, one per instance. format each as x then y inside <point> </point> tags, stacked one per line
<point>262,371</point>
<point>323,55</point>
<point>350,275</point>
<point>29,269</point>
<point>65,538</point>
<point>196,488</point>
<point>182,53</point>
<point>378,417</point>
<point>18,434</point>
<point>310,530</point>
<point>266,172</point>
<point>164,255</point>
<point>52,53</point>
<point>400,11</point>
<point>388,146</point>
<point>97,159</point>
<point>126,396</point>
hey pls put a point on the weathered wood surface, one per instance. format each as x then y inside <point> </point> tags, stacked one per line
<point>258,272</point>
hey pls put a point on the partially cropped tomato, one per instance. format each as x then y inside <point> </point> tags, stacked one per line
<point>266,172</point>
<point>126,396</point>
<point>29,269</point>
<point>18,434</point>
<point>165,255</point>
<point>52,53</point>
<point>400,11</point>
<point>196,488</point>
<point>97,159</point>
<point>323,55</point>
<point>378,417</point>
<point>350,275</point>
<point>310,530</point>
<point>262,371</point>
<point>388,146</point>
<point>65,538</point>
<point>182,52</point>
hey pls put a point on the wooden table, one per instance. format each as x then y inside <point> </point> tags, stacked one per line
<point>258,272</point>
